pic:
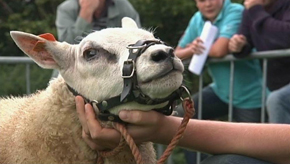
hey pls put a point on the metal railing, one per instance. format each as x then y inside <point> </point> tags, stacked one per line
<point>20,60</point>
<point>264,56</point>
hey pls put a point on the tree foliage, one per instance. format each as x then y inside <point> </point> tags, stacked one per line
<point>25,15</point>
<point>168,18</point>
<point>29,16</point>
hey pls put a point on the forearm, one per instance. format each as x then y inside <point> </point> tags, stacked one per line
<point>219,48</point>
<point>205,136</point>
<point>69,25</point>
<point>183,53</point>
<point>69,31</point>
<point>86,15</point>
<point>268,141</point>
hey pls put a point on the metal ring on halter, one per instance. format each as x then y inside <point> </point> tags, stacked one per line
<point>187,92</point>
<point>136,47</point>
<point>94,104</point>
<point>94,101</point>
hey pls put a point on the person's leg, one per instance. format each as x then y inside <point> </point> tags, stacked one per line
<point>278,105</point>
<point>212,107</point>
<point>191,156</point>
<point>247,115</point>
<point>232,159</point>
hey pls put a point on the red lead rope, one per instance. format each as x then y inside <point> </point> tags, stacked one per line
<point>189,113</point>
<point>188,107</point>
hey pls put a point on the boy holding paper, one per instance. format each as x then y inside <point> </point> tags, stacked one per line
<point>247,91</point>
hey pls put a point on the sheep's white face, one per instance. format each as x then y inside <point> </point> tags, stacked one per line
<point>94,66</point>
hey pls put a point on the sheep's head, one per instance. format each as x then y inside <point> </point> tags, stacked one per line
<point>94,66</point>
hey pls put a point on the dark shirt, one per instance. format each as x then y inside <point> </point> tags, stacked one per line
<point>101,22</point>
<point>269,29</point>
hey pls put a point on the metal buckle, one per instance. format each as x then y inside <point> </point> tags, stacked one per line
<point>147,43</point>
<point>129,61</point>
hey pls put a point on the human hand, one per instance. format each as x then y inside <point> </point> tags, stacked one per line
<point>144,126</point>
<point>141,128</point>
<point>196,47</point>
<point>95,136</point>
<point>250,3</point>
<point>237,42</point>
<point>89,8</point>
<point>89,5</point>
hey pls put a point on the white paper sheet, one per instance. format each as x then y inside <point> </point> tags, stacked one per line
<point>208,35</point>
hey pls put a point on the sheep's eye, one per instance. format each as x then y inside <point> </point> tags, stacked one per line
<point>90,54</point>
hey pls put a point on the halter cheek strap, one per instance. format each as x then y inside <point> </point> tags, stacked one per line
<point>129,73</point>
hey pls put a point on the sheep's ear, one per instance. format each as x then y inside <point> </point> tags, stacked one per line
<point>36,47</point>
<point>128,23</point>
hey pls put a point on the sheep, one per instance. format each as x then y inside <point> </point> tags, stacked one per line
<point>44,127</point>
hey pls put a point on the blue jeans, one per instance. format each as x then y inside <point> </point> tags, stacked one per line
<point>213,107</point>
<point>278,105</point>
<point>232,159</point>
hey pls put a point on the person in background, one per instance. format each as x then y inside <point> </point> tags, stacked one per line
<point>247,91</point>
<point>76,18</point>
<point>266,26</point>
<point>230,143</point>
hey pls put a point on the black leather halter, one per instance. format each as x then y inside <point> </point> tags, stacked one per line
<point>131,92</point>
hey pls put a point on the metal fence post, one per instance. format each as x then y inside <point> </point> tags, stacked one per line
<point>199,114</point>
<point>27,77</point>
<point>264,90</point>
<point>231,91</point>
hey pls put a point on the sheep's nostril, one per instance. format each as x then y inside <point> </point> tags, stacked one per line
<point>159,56</point>
<point>171,52</point>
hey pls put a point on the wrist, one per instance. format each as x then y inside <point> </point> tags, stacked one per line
<point>168,127</point>
<point>187,53</point>
<point>86,15</point>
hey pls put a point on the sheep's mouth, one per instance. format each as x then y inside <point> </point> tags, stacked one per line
<point>165,71</point>
<point>161,75</point>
